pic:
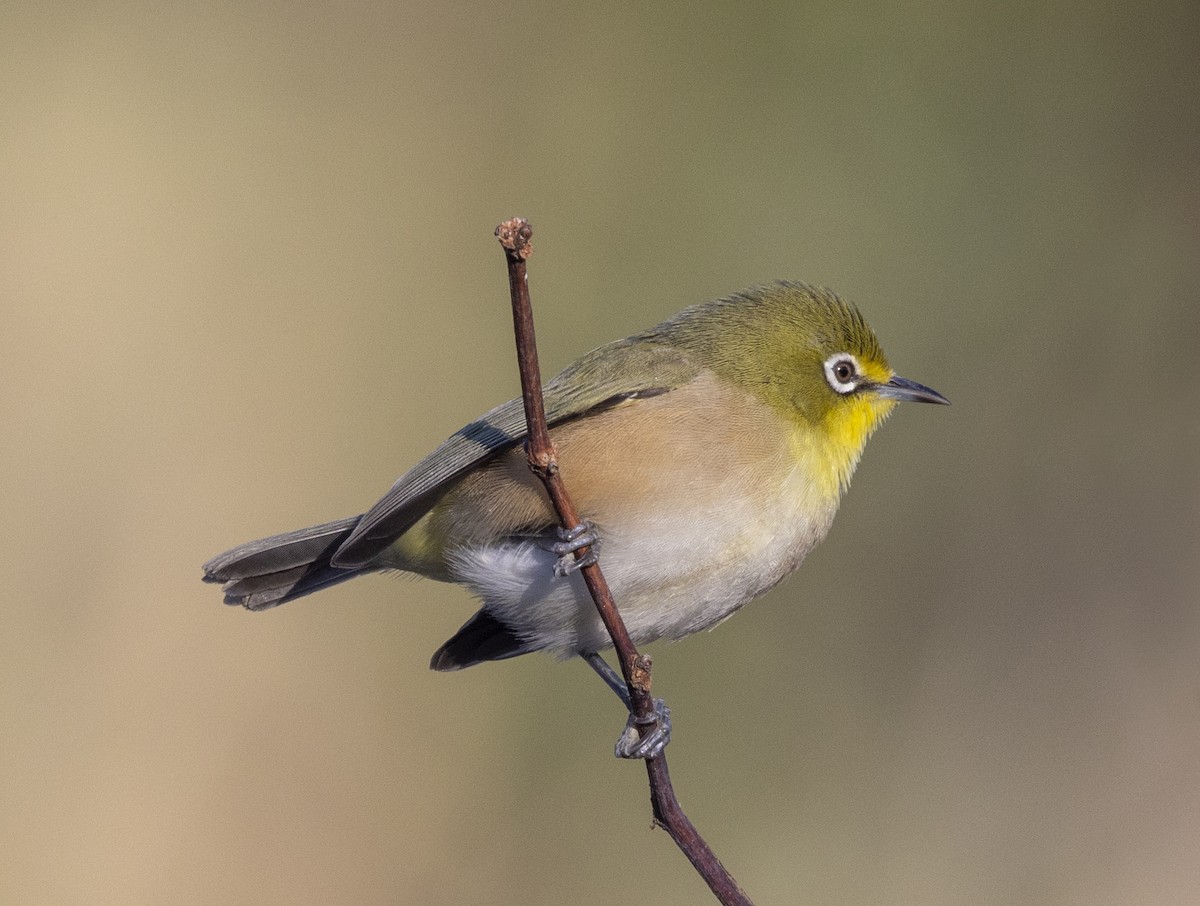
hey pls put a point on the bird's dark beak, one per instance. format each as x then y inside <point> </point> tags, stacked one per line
<point>903,389</point>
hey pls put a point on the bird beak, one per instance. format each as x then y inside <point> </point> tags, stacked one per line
<point>903,389</point>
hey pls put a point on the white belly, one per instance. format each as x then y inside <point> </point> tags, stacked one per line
<point>671,575</point>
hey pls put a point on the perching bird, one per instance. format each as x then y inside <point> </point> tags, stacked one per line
<point>708,455</point>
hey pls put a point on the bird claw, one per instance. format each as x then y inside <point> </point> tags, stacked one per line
<point>567,564</point>
<point>648,738</point>
<point>571,540</point>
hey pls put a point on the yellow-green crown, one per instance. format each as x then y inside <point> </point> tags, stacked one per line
<point>774,340</point>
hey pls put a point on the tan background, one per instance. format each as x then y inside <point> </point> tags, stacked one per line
<point>247,278</point>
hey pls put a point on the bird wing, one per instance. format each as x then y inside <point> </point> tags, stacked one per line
<point>612,375</point>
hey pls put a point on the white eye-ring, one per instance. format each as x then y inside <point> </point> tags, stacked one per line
<point>842,372</point>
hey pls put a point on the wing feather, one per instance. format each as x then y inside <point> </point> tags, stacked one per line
<point>615,374</point>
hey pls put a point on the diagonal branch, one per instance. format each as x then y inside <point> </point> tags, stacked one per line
<point>514,236</point>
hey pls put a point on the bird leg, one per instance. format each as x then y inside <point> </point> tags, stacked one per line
<point>640,739</point>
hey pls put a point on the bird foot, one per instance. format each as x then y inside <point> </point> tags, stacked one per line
<point>571,540</point>
<point>646,738</point>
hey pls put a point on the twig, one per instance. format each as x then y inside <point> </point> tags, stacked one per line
<point>514,236</point>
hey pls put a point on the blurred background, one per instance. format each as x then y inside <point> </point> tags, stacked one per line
<point>248,278</point>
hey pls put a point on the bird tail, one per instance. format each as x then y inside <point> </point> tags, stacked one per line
<point>271,571</point>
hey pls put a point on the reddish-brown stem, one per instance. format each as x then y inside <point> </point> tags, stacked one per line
<point>514,236</point>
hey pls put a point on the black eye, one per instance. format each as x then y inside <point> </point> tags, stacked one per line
<point>841,372</point>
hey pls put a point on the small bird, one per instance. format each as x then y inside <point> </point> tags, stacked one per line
<point>708,454</point>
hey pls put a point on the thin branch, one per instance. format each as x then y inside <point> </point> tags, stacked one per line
<point>514,236</point>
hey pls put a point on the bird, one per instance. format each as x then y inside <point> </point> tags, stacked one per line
<point>708,455</point>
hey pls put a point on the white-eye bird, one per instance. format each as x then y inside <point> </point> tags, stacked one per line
<point>708,455</point>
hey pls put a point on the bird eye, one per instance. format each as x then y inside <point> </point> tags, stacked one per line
<point>841,371</point>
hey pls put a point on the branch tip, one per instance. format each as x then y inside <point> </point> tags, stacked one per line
<point>514,236</point>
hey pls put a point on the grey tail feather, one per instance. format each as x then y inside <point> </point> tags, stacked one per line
<point>271,571</point>
<point>481,638</point>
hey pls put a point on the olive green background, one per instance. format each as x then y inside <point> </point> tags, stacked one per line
<point>248,278</point>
